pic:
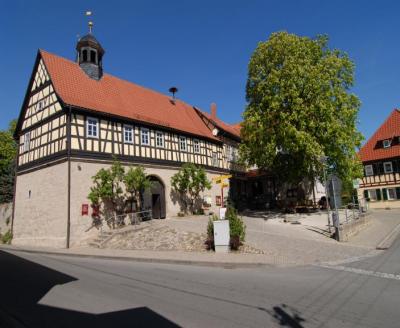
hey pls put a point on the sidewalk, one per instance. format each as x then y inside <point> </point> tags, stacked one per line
<point>283,245</point>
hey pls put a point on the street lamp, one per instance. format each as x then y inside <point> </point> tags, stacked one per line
<point>324,161</point>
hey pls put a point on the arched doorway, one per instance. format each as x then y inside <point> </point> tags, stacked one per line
<point>154,199</point>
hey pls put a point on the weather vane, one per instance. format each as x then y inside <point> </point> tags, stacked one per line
<point>89,13</point>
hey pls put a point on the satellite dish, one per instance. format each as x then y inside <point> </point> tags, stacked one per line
<point>215,132</point>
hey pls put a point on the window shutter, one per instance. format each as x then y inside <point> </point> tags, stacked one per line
<point>385,195</point>
<point>378,194</point>
<point>366,194</point>
<point>398,192</point>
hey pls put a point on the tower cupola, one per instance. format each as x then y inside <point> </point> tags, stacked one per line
<point>90,55</point>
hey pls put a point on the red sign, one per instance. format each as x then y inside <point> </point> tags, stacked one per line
<point>85,209</point>
<point>218,200</point>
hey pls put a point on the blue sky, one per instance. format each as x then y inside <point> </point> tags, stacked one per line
<point>202,47</point>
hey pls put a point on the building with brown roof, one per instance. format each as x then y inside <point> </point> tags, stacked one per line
<point>75,119</point>
<point>381,160</point>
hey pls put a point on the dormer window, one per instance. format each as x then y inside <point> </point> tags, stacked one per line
<point>369,170</point>
<point>386,143</point>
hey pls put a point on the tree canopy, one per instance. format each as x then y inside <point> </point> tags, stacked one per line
<point>300,109</point>
<point>188,183</point>
<point>8,152</point>
<point>136,183</point>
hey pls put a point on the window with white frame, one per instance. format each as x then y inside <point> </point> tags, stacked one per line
<point>182,143</point>
<point>27,141</point>
<point>231,153</point>
<point>391,193</point>
<point>387,167</point>
<point>214,159</point>
<point>196,146</point>
<point>144,136</point>
<point>128,133</point>
<point>92,126</point>
<point>235,154</point>
<point>228,152</point>
<point>159,139</point>
<point>369,170</point>
<point>372,194</point>
<point>386,143</point>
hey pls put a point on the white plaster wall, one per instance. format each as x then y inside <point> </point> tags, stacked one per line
<point>380,203</point>
<point>41,218</point>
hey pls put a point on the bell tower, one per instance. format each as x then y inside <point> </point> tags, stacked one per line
<point>90,55</point>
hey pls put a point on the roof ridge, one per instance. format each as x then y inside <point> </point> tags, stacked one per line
<point>381,126</point>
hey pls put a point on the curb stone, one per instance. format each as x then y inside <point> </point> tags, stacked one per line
<point>226,265</point>
<point>389,239</point>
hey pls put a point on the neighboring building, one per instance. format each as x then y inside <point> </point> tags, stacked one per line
<point>381,160</point>
<point>75,119</point>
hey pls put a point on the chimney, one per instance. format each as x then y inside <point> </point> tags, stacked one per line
<point>213,111</point>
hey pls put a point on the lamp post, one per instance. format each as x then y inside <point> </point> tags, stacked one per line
<point>324,160</point>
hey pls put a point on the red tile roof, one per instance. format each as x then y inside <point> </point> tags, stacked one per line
<point>388,130</point>
<point>222,125</point>
<point>114,96</point>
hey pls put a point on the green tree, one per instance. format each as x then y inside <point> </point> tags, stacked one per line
<point>188,183</point>
<point>8,152</point>
<point>300,108</point>
<point>136,183</point>
<point>107,189</point>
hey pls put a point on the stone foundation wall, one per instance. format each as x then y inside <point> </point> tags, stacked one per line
<point>40,217</point>
<point>346,231</point>
<point>81,181</point>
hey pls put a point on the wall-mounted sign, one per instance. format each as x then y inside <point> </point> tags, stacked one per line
<point>85,209</point>
<point>218,200</point>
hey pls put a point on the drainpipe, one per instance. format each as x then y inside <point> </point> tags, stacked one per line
<point>69,176</point>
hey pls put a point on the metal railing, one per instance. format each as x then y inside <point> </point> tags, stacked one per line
<point>123,220</point>
<point>353,211</point>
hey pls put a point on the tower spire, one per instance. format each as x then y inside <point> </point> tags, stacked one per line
<point>90,23</point>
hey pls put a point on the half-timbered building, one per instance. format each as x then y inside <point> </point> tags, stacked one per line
<point>381,160</point>
<point>75,119</point>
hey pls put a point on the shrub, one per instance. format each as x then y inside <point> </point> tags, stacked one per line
<point>210,232</point>
<point>7,237</point>
<point>237,228</point>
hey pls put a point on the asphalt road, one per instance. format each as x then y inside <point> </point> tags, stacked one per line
<point>58,291</point>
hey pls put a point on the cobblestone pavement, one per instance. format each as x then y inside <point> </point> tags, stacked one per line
<point>159,236</point>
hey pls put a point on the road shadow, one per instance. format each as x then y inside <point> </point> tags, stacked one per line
<point>287,316</point>
<point>25,283</point>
